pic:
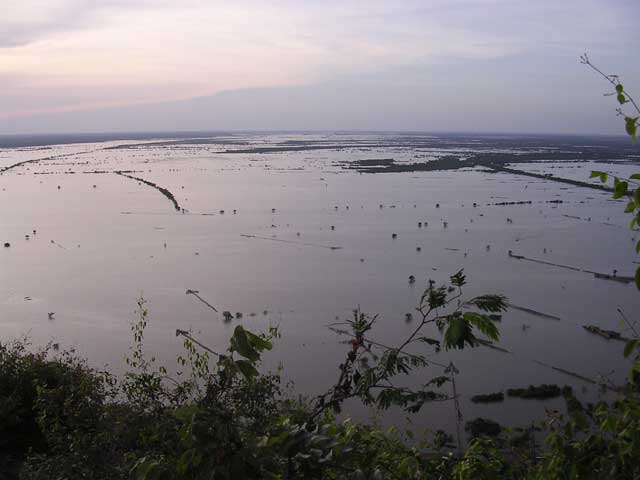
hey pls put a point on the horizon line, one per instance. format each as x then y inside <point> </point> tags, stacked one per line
<point>304,131</point>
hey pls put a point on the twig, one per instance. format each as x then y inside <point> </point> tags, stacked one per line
<point>577,375</point>
<point>195,294</point>
<point>612,79</point>
<point>452,370</point>
<point>630,325</point>
<point>291,241</point>
<point>493,346</point>
<point>186,334</point>
<point>533,312</point>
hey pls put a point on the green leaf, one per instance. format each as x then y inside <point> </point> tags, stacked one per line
<point>436,297</point>
<point>619,88</point>
<point>247,369</point>
<point>621,99</point>
<point>630,346</point>
<point>638,247</point>
<point>458,333</point>
<point>638,278</point>
<point>635,176</point>
<point>257,342</point>
<point>631,126</point>
<point>458,280</point>
<point>240,343</point>
<point>438,381</point>
<point>490,303</point>
<point>146,469</point>
<point>483,323</point>
<point>189,459</point>
<point>619,188</point>
<point>430,341</point>
<point>631,206</point>
<point>598,174</point>
<point>186,413</point>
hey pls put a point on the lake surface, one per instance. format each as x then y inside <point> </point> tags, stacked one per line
<point>102,240</point>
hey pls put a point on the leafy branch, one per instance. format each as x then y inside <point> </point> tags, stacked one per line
<point>374,383</point>
<point>621,189</point>
<point>622,96</point>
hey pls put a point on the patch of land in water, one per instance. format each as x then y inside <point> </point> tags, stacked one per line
<point>162,190</point>
<point>300,148</point>
<point>372,162</point>
<point>493,163</point>
<point>169,143</point>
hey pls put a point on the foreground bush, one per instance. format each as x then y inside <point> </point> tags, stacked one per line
<point>61,419</point>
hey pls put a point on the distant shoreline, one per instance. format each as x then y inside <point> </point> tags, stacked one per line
<point>41,140</point>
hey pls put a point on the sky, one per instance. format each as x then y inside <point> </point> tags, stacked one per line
<point>430,65</point>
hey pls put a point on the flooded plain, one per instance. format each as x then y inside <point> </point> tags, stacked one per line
<point>281,228</point>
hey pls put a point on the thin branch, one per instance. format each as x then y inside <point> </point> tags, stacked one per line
<point>196,294</point>
<point>612,79</point>
<point>387,347</point>
<point>424,321</point>
<point>185,334</point>
<point>630,325</point>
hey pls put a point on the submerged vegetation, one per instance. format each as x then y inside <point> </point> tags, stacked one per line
<point>162,190</point>
<point>540,392</point>
<point>488,398</point>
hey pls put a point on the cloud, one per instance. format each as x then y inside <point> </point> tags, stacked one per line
<point>24,97</point>
<point>26,21</point>
<point>430,100</point>
<point>79,54</point>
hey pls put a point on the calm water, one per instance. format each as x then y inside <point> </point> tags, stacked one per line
<point>99,248</point>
